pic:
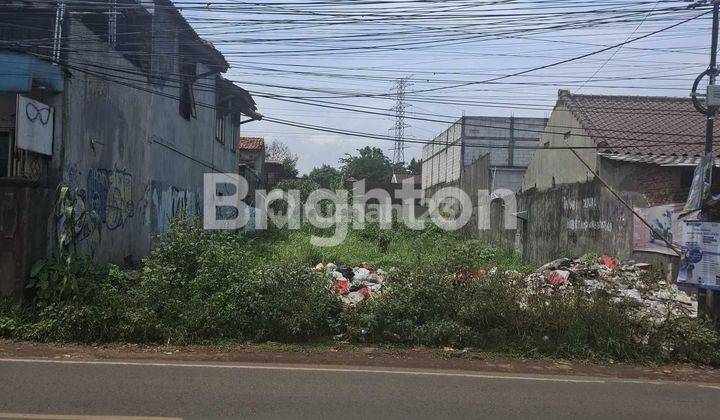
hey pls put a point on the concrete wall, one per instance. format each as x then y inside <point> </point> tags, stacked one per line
<point>509,142</point>
<point>255,159</point>
<point>507,178</point>
<point>442,159</point>
<point>560,166</point>
<point>507,133</point>
<point>133,158</point>
<point>24,210</point>
<point>571,220</point>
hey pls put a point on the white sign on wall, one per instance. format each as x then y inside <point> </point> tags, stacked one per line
<point>34,125</point>
<point>700,263</point>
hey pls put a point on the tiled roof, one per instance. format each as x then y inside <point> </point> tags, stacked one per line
<point>661,160</point>
<point>251,143</point>
<point>651,125</point>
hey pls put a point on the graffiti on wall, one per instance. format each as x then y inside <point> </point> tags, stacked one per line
<point>107,193</point>
<point>114,199</point>
<point>665,221</point>
<point>584,215</point>
<point>169,202</point>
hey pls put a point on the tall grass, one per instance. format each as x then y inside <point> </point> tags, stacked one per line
<point>199,287</point>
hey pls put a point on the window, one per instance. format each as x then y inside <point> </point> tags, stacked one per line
<point>187,96</point>
<point>219,127</point>
<point>234,136</point>
<point>5,151</point>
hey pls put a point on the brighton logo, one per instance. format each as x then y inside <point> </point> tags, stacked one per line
<point>449,208</point>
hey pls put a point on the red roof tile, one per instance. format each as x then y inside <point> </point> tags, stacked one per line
<point>647,123</point>
<point>251,143</point>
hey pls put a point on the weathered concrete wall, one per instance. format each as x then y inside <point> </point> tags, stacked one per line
<point>574,219</point>
<point>132,157</point>
<point>105,155</point>
<point>254,159</point>
<point>549,168</point>
<point>24,214</point>
<point>474,179</point>
<point>478,179</point>
<point>508,178</point>
<point>442,159</point>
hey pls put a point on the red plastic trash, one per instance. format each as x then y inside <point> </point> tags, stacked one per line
<point>365,292</point>
<point>609,262</point>
<point>341,286</point>
<point>558,277</point>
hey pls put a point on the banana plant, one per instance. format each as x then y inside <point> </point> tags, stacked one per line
<point>57,277</point>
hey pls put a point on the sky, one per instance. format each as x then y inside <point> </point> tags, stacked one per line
<point>293,55</point>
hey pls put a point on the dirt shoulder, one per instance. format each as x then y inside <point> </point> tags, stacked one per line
<point>349,355</point>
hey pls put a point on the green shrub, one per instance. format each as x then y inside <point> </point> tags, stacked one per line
<point>440,311</point>
<point>198,286</point>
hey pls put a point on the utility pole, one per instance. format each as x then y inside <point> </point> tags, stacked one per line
<point>400,125</point>
<point>711,105</point>
<point>708,300</point>
<point>712,97</point>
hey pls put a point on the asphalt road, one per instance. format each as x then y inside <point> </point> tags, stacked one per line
<point>74,388</point>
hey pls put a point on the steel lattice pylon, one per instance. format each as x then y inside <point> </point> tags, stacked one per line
<point>400,107</point>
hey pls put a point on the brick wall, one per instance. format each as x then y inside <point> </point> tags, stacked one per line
<point>663,185</point>
<point>653,184</point>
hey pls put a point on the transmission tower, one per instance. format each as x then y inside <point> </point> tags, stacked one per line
<point>401,86</point>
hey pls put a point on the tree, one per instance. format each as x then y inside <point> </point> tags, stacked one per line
<point>289,169</point>
<point>326,176</point>
<point>399,168</point>
<point>371,165</point>
<point>280,152</point>
<point>415,167</point>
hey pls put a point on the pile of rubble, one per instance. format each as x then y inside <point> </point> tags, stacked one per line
<point>657,298</point>
<point>354,285</point>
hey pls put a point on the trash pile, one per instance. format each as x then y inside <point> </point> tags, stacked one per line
<point>657,299</point>
<point>354,285</point>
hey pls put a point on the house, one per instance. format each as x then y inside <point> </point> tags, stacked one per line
<point>251,155</point>
<point>616,134</point>
<point>645,148</point>
<point>400,178</point>
<point>124,103</point>
<point>509,142</point>
<point>274,173</point>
